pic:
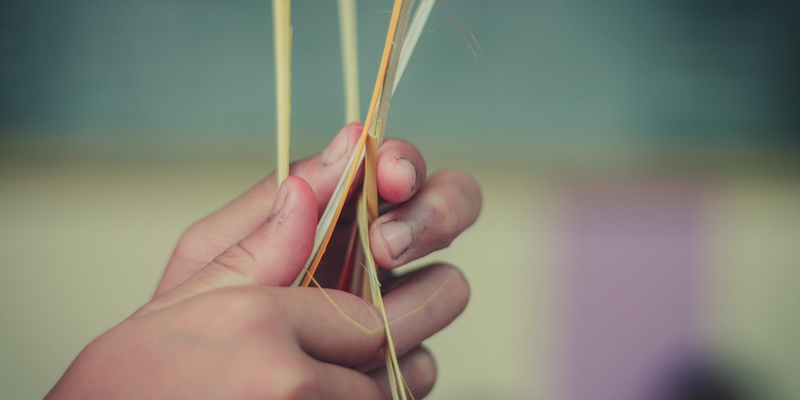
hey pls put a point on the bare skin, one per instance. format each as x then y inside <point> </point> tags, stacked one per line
<point>224,325</point>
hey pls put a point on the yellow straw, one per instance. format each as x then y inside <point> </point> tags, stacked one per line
<point>349,39</point>
<point>281,17</point>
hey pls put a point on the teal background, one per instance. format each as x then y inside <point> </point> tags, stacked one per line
<point>666,70</point>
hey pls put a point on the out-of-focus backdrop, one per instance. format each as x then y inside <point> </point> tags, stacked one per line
<point>641,231</point>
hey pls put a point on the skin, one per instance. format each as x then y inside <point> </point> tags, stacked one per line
<point>224,325</point>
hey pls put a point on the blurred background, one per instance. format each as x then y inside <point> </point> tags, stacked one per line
<point>641,229</point>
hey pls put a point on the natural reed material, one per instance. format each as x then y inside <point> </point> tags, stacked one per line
<point>368,205</point>
<point>393,62</point>
<point>331,215</point>
<point>282,31</point>
<point>348,35</point>
<point>421,15</point>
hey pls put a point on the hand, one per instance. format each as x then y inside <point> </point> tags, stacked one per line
<point>223,325</point>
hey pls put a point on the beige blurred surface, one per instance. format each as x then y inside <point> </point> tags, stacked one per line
<point>85,235</point>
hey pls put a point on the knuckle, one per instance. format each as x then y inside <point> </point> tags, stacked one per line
<point>297,379</point>
<point>443,214</point>
<point>249,311</point>
<point>459,290</point>
<point>424,369</point>
<point>362,313</point>
<point>236,258</point>
<point>187,244</point>
<point>237,252</point>
<point>457,208</point>
<point>465,185</point>
<point>280,376</point>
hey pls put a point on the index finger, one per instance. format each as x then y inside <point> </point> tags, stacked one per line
<point>212,235</point>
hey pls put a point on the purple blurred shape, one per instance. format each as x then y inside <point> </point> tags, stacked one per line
<point>633,265</point>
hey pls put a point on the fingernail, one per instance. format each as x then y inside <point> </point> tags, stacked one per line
<point>280,200</point>
<point>408,166</point>
<point>398,236</point>
<point>335,150</point>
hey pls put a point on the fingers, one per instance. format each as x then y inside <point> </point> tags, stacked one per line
<point>329,331</point>
<point>331,325</point>
<point>421,304</point>
<point>341,328</point>
<point>305,378</point>
<point>272,255</point>
<point>215,233</point>
<point>337,330</point>
<point>341,383</point>
<point>419,372</point>
<point>401,170</point>
<point>449,203</point>
<point>323,171</point>
<point>292,342</point>
<point>212,235</point>
<point>317,380</point>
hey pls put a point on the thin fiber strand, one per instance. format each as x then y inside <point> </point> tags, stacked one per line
<point>348,36</point>
<point>281,17</point>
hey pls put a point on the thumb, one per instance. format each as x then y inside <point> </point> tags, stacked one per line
<point>273,255</point>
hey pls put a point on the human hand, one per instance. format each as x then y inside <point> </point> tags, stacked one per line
<point>223,325</point>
